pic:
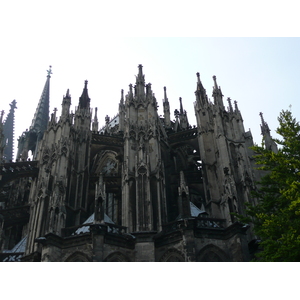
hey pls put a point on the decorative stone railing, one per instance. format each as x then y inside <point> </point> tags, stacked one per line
<point>193,223</point>
<point>85,228</point>
<point>14,170</point>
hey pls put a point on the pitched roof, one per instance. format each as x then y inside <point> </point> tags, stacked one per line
<point>90,220</point>
<point>18,248</point>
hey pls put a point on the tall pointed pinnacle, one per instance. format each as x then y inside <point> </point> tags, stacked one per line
<point>165,95</point>
<point>183,116</point>
<point>68,94</point>
<point>264,125</point>
<point>95,121</point>
<point>199,84</point>
<point>66,103</point>
<point>265,131</point>
<point>140,82</point>
<point>200,92</point>
<point>140,78</point>
<point>236,108</point>
<point>181,108</point>
<point>230,105</point>
<point>166,106</point>
<point>215,82</point>
<point>217,93</point>
<point>121,112</point>
<point>122,97</point>
<point>84,100</point>
<point>8,131</point>
<point>41,116</point>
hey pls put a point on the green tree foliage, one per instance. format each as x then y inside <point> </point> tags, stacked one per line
<point>276,218</point>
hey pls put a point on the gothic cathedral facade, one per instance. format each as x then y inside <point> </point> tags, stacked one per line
<point>142,188</point>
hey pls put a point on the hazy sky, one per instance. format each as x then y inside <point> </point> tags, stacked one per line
<point>89,40</point>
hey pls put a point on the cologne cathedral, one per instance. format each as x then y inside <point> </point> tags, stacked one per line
<point>143,188</point>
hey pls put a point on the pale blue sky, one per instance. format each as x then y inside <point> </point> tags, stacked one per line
<point>81,41</point>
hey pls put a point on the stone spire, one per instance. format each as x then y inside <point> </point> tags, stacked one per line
<point>84,100</point>
<point>140,82</point>
<point>264,125</point>
<point>122,97</point>
<point>8,131</point>
<point>236,108</point>
<point>166,106</point>
<point>121,112</point>
<point>95,122</point>
<point>41,116</point>
<point>66,103</point>
<point>201,97</point>
<point>140,78</point>
<point>230,105</point>
<point>217,94</point>
<point>181,107</point>
<point>183,116</point>
<point>29,139</point>
<point>265,131</point>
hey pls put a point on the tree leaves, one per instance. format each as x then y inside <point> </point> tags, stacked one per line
<point>276,217</point>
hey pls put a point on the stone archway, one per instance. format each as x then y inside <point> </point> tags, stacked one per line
<point>172,255</point>
<point>116,257</point>
<point>212,253</point>
<point>78,257</point>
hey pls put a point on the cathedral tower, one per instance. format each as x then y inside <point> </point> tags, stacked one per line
<point>224,150</point>
<point>30,138</point>
<point>60,191</point>
<point>144,207</point>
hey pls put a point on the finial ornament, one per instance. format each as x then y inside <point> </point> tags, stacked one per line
<point>230,105</point>
<point>215,79</point>
<point>49,72</point>
<point>236,105</point>
<point>262,118</point>
<point>198,78</point>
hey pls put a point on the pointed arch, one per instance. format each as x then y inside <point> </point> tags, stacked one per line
<point>78,257</point>
<point>116,257</point>
<point>212,253</point>
<point>172,255</point>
